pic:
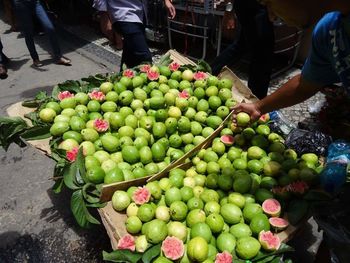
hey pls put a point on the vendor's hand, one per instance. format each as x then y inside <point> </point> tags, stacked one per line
<point>171,9</point>
<point>250,108</point>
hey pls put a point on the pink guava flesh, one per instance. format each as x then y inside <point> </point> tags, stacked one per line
<point>227,139</point>
<point>269,241</point>
<point>173,248</point>
<point>278,223</point>
<point>271,207</point>
<point>127,242</point>
<point>223,257</point>
<point>141,195</point>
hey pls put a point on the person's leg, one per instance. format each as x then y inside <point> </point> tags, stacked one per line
<point>24,11</point>
<point>135,48</point>
<point>3,69</point>
<point>49,29</point>
<point>118,41</point>
<point>260,68</point>
<point>229,56</point>
<point>1,54</point>
<point>106,26</point>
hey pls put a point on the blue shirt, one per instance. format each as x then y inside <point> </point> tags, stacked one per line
<point>329,59</point>
<point>126,10</point>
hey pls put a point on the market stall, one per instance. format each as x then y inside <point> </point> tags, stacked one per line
<point>154,150</point>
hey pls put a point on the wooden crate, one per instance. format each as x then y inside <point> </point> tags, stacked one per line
<point>114,223</point>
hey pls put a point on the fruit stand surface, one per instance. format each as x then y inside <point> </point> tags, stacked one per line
<point>113,221</point>
<point>37,224</point>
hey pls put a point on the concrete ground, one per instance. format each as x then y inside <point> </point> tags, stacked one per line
<point>36,225</point>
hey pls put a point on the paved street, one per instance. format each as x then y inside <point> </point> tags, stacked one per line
<point>35,224</point>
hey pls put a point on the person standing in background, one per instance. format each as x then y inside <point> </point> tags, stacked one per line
<point>3,61</point>
<point>326,67</point>
<point>256,35</point>
<point>106,24</point>
<point>128,17</point>
<point>25,10</point>
<point>10,14</point>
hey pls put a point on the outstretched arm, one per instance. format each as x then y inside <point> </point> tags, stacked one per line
<point>170,8</point>
<point>294,91</point>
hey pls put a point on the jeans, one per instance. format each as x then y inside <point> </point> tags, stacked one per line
<point>1,54</point>
<point>135,48</point>
<point>257,36</point>
<point>3,58</point>
<point>25,10</point>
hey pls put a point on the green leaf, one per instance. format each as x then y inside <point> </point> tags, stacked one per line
<point>93,82</point>
<point>55,156</point>
<point>33,116</point>
<point>276,260</point>
<point>54,144</point>
<point>69,85</point>
<point>97,205</point>
<point>69,174</point>
<point>262,256</point>
<point>91,196</point>
<point>165,60</point>
<point>90,218</point>
<point>151,254</point>
<point>122,255</point>
<point>42,95</point>
<point>80,212</point>
<point>36,133</point>
<point>203,66</point>
<point>12,125</point>
<point>57,187</point>
<point>80,161</point>
<point>39,99</point>
<point>267,259</point>
<point>78,179</point>
<point>10,130</point>
<point>31,103</point>
<point>55,91</point>
<point>79,209</point>
<point>240,261</point>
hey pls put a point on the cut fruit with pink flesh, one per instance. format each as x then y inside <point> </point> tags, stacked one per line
<point>278,223</point>
<point>269,241</point>
<point>271,207</point>
<point>227,139</point>
<point>173,248</point>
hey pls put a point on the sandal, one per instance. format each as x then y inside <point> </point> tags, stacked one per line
<point>37,63</point>
<point>3,72</point>
<point>64,61</point>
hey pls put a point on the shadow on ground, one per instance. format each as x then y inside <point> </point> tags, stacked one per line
<point>31,93</point>
<point>67,243</point>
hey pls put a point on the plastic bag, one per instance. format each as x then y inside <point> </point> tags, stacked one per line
<point>334,175</point>
<point>280,124</point>
<point>315,108</point>
<point>303,141</point>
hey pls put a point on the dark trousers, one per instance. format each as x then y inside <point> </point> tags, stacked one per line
<point>135,48</point>
<point>256,36</point>
<point>3,58</point>
<point>1,54</point>
<point>25,9</point>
